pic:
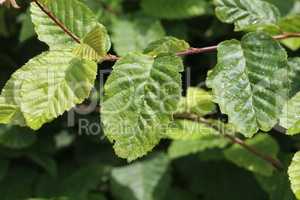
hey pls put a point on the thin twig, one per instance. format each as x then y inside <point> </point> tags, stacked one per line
<point>110,58</point>
<point>192,50</point>
<point>209,49</point>
<point>274,162</point>
<point>57,21</point>
<point>286,36</point>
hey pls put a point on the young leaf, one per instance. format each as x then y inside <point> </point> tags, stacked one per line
<point>192,137</point>
<point>294,174</point>
<point>176,9</point>
<point>48,85</point>
<point>144,180</point>
<point>95,44</point>
<point>243,158</point>
<point>140,98</point>
<point>248,14</point>
<point>197,101</point>
<point>135,33</point>
<point>290,118</point>
<point>166,45</point>
<point>249,82</point>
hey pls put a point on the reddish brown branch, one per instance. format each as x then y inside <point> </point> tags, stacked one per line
<point>111,58</point>
<point>286,36</point>
<point>274,162</point>
<point>192,50</point>
<point>57,21</point>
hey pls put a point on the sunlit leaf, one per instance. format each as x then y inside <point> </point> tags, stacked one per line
<point>249,82</point>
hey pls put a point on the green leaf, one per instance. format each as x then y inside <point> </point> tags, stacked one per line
<point>248,14</point>
<point>95,44</point>
<point>84,180</point>
<point>140,98</point>
<point>82,24</point>
<point>135,33</point>
<point>278,186</point>
<point>296,8</point>
<point>284,6</point>
<point>176,9</point>
<point>249,82</point>
<point>15,137</point>
<point>106,11</point>
<point>27,30</point>
<point>9,111</point>
<point>4,164</point>
<point>18,183</point>
<point>294,174</point>
<point>294,75</point>
<point>75,183</point>
<point>51,33</point>
<point>192,137</point>
<point>62,82</point>
<point>219,180</point>
<point>166,45</point>
<point>290,118</point>
<point>45,161</point>
<point>143,180</point>
<point>291,24</point>
<point>262,143</point>
<point>197,101</point>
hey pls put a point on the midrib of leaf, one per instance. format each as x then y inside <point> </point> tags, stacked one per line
<point>251,84</point>
<point>57,21</point>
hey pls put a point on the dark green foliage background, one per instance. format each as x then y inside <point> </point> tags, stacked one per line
<point>80,167</point>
